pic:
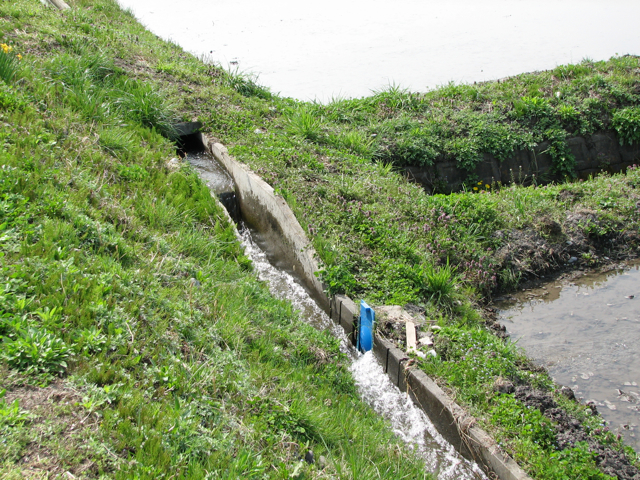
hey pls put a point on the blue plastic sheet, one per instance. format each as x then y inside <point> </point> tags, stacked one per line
<point>365,330</point>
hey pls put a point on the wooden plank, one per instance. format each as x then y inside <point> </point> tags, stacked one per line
<point>411,337</point>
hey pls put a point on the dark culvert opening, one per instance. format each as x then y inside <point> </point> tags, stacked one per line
<point>191,143</point>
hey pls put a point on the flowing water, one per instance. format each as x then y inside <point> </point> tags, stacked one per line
<point>408,422</point>
<point>213,175</point>
<point>320,50</point>
<point>587,335</point>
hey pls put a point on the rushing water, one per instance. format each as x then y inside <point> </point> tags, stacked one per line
<point>587,334</point>
<point>408,422</point>
<point>320,50</point>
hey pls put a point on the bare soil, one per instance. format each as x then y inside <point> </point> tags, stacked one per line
<point>61,430</point>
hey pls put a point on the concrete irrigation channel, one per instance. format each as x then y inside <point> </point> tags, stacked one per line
<point>281,238</point>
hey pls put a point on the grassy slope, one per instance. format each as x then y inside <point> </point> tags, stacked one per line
<point>115,362</point>
<point>381,238</point>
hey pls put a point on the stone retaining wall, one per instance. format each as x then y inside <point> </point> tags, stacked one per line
<point>600,152</point>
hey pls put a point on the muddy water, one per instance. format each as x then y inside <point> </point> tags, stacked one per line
<point>319,50</point>
<point>408,422</point>
<point>587,334</point>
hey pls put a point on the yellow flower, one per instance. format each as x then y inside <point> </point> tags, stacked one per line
<point>487,186</point>
<point>479,183</point>
<point>19,57</point>
<point>5,48</point>
<point>475,188</point>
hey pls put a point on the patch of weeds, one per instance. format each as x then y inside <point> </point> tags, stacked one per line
<point>11,415</point>
<point>246,84</point>
<point>520,421</point>
<point>10,98</point>
<point>305,123</point>
<point>36,352</point>
<point>626,123</point>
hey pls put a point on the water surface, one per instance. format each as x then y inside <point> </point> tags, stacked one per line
<point>320,50</point>
<point>587,334</point>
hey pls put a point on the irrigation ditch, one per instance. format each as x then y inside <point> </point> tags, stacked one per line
<point>247,196</point>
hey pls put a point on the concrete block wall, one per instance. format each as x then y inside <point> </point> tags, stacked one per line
<point>600,152</point>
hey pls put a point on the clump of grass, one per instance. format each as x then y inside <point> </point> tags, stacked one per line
<point>246,84</point>
<point>142,103</point>
<point>439,283</point>
<point>305,123</point>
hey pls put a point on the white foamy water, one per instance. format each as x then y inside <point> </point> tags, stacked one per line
<point>409,423</point>
<point>284,286</point>
<point>320,50</point>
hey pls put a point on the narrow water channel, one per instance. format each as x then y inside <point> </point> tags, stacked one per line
<point>587,334</point>
<point>408,422</point>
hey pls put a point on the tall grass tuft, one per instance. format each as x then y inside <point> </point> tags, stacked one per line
<point>140,102</point>
<point>439,283</point>
<point>246,84</point>
<point>304,123</point>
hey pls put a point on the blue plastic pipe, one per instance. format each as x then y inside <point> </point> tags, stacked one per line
<point>365,328</point>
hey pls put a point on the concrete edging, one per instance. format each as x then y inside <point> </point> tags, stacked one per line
<point>59,4</point>
<point>273,218</point>
<point>270,215</point>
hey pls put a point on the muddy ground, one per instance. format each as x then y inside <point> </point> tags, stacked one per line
<point>550,252</point>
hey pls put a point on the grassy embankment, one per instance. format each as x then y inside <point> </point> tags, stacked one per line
<point>136,341</point>
<point>379,237</point>
<point>383,239</point>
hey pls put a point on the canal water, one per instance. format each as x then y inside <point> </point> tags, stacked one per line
<point>408,422</point>
<point>587,334</point>
<point>337,48</point>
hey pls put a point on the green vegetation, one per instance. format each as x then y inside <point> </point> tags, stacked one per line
<point>115,363</point>
<point>100,240</point>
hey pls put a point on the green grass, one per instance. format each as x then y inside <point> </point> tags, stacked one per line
<point>100,241</point>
